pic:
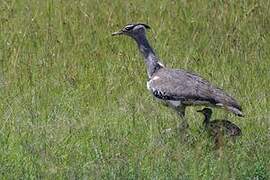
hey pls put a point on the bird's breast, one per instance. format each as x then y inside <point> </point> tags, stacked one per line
<point>149,83</point>
<point>174,103</point>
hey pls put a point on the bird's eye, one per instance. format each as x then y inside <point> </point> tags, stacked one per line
<point>128,28</point>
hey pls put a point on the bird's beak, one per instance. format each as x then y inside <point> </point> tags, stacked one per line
<point>199,111</point>
<point>117,33</point>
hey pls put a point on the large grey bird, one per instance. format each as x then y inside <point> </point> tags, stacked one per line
<point>178,88</point>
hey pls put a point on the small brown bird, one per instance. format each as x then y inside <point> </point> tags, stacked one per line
<point>219,128</point>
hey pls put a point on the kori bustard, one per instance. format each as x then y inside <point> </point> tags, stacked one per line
<point>178,88</point>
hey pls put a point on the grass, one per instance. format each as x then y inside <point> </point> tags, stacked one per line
<point>74,102</point>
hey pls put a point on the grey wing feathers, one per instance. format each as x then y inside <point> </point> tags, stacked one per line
<point>191,88</point>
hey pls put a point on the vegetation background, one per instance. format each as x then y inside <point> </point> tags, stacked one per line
<point>74,102</point>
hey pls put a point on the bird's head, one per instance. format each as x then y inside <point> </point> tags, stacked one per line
<point>133,30</point>
<point>206,111</point>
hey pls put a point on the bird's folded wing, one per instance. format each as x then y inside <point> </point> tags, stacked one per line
<point>181,85</point>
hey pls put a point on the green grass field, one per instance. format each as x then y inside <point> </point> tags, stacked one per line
<point>74,102</point>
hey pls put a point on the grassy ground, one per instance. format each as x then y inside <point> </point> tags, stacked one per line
<point>74,102</point>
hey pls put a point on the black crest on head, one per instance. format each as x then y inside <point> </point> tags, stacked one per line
<point>145,25</point>
<point>131,26</point>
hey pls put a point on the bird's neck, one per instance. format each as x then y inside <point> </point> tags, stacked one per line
<point>206,119</point>
<point>150,58</point>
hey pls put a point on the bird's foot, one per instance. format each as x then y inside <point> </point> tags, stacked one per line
<point>183,126</point>
<point>168,130</point>
<point>180,127</point>
<point>182,131</point>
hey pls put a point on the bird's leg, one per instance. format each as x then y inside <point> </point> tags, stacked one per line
<point>181,113</point>
<point>181,127</point>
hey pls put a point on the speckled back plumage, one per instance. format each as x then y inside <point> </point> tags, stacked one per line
<point>225,126</point>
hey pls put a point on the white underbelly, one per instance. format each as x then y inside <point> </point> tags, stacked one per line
<point>148,85</point>
<point>174,103</point>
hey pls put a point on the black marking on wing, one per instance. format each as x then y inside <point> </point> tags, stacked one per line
<point>162,95</point>
<point>167,96</point>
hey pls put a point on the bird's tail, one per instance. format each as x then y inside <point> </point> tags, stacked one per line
<point>236,111</point>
